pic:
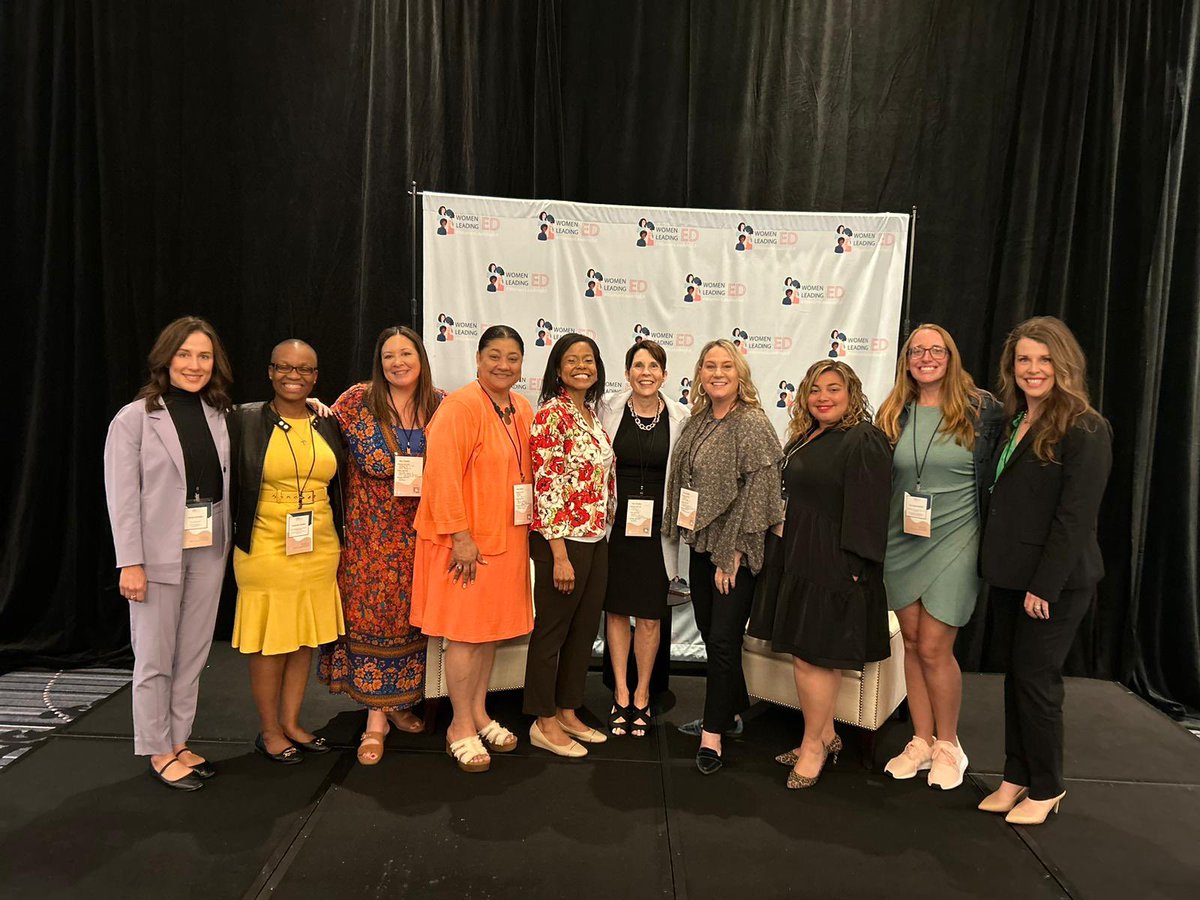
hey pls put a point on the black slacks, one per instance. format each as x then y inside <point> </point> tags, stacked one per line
<point>564,626</point>
<point>1032,652</point>
<point>721,619</point>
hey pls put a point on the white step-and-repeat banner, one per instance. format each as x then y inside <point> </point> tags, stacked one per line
<point>786,287</point>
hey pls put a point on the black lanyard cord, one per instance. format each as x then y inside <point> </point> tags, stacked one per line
<point>920,464</point>
<point>296,462</point>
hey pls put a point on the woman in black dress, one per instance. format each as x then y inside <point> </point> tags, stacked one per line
<point>831,609</point>
<point>641,563</point>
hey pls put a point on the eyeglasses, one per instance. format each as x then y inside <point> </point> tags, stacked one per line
<point>285,369</point>
<point>935,352</point>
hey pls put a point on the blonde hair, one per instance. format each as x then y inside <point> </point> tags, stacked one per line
<point>959,401</point>
<point>1068,401</point>
<point>746,391</point>
<point>857,409</point>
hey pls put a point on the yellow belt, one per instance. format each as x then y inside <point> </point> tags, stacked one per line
<point>312,495</point>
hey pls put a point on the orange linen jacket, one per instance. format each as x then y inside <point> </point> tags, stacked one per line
<point>466,483</point>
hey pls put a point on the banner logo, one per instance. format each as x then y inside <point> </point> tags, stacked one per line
<point>545,333</point>
<point>640,333</point>
<point>840,344</point>
<point>692,292</point>
<point>677,339</point>
<point>844,242</point>
<point>595,284</point>
<point>787,395</point>
<point>770,343</point>
<point>685,390</point>
<point>445,328</point>
<point>445,221</point>
<point>550,227</point>
<point>545,227</point>
<point>645,233</point>
<point>799,293</point>
<point>450,330</point>
<point>744,238</point>
<point>499,280</point>
<point>495,282</point>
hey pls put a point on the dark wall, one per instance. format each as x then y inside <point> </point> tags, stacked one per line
<point>250,163</point>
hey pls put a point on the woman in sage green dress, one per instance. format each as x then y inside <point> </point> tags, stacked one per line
<point>943,429</point>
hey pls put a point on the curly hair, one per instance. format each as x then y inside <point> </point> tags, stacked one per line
<point>857,410</point>
<point>1068,402</point>
<point>746,391</point>
<point>960,398</point>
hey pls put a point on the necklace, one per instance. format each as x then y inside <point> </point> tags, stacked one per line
<point>637,420</point>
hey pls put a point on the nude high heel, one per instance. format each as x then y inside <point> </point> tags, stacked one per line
<point>995,802</point>
<point>1034,812</point>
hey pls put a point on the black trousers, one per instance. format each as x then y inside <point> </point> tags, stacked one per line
<point>564,626</point>
<point>1032,652</point>
<point>721,619</point>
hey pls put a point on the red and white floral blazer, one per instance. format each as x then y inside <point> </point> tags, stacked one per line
<point>570,499</point>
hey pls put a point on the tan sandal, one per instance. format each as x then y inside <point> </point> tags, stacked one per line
<point>371,742</point>
<point>470,754</point>
<point>412,725</point>
<point>497,738</point>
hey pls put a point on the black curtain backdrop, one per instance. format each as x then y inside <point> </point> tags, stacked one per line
<point>251,162</point>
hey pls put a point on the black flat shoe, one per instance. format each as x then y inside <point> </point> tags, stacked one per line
<point>288,757</point>
<point>203,769</point>
<point>316,745</point>
<point>188,782</point>
<point>708,761</point>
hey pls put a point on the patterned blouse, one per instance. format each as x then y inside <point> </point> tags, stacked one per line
<point>574,483</point>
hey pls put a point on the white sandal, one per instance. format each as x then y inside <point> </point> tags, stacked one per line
<point>470,754</point>
<point>497,738</point>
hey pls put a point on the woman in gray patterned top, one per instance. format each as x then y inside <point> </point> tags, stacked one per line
<point>722,496</point>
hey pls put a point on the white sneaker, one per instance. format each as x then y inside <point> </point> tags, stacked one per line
<point>949,764</point>
<point>915,757</point>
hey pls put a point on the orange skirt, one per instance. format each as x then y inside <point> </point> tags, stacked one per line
<point>496,607</point>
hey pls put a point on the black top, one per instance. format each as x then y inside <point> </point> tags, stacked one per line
<point>642,455</point>
<point>201,464</point>
<point>1039,529</point>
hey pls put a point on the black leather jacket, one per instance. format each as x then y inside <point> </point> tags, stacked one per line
<point>250,426</point>
<point>989,425</point>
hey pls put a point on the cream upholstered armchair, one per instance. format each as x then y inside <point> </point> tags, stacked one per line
<point>865,699</point>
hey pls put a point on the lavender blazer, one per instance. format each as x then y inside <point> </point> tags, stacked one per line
<point>146,488</point>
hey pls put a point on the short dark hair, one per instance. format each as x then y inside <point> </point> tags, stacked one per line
<point>550,380</point>
<point>652,347</point>
<point>500,333</point>
<point>170,339</point>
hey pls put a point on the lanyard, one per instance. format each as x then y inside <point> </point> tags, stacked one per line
<point>698,445</point>
<point>295,462</point>
<point>912,417</point>
<point>408,433</point>
<point>507,415</point>
<point>641,451</point>
<point>1007,452</point>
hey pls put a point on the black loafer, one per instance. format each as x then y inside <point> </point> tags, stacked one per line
<point>188,782</point>
<point>203,769</point>
<point>288,757</point>
<point>316,745</point>
<point>708,761</point>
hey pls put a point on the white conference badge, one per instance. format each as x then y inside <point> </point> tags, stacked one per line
<point>918,514</point>
<point>689,500</point>
<point>639,517</point>
<point>406,482</point>
<point>522,504</point>
<point>197,524</point>
<point>299,532</point>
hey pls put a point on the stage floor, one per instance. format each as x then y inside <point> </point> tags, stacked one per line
<point>79,817</point>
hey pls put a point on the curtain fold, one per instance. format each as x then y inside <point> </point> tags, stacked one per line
<point>252,163</point>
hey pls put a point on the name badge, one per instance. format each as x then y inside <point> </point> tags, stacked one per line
<point>918,514</point>
<point>299,532</point>
<point>688,501</point>
<point>639,517</point>
<point>407,479</point>
<point>197,524</point>
<point>522,504</point>
<point>777,529</point>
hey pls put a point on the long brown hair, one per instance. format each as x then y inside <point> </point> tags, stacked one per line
<point>960,398</point>
<point>857,409</point>
<point>377,397</point>
<point>1068,401</point>
<point>746,391</point>
<point>170,339</point>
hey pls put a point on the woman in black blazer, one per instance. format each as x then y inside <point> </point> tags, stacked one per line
<point>1039,553</point>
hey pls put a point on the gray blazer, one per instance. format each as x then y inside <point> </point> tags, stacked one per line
<point>146,488</point>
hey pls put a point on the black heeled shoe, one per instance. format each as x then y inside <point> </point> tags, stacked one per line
<point>288,757</point>
<point>189,782</point>
<point>204,769</point>
<point>624,713</point>
<point>708,761</point>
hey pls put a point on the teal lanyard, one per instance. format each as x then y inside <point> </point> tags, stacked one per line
<point>1007,453</point>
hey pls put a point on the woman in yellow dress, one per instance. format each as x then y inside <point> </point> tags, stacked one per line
<point>287,522</point>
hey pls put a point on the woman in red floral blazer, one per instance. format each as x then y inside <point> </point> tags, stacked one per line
<point>574,494</point>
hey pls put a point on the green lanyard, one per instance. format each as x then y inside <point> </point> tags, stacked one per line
<point>1007,453</point>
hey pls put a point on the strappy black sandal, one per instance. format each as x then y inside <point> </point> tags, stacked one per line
<point>642,721</point>
<point>624,713</point>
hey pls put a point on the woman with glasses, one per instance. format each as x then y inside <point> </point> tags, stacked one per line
<point>942,429</point>
<point>380,662</point>
<point>287,522</point>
